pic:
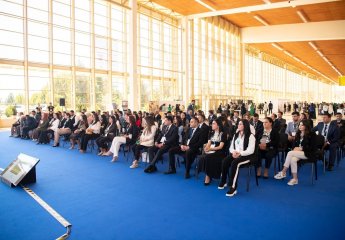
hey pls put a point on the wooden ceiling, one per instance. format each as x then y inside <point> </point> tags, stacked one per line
<point>333,50</point>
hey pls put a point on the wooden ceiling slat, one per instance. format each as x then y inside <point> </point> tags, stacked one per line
<point>333,50</point>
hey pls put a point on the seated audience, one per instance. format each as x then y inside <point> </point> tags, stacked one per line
<point>107,136</point>
<point>146,139</point>
<point>130,137</point>
<point>65,128</point>
<point>167,139</point>
<point>330,131</point>
<point>29,124</point>
<point>92,132</point>
<point>268,146</point>
<point>79,132</point>
<point>15,129</point>
<point>189,148</point>
<point>43,126</point>
<point>214,152</point>
<point>242,151</point>
<point>304,148</point>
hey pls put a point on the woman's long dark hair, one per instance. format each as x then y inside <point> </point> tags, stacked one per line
<point>246,129</point>
<point>96,118</point>
<point>131,120</point>
<point>84,120</point>
<point>149,123</point>
<point>219,123</point>
<point>307,130</point>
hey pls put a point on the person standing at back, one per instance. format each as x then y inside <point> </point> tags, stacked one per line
<point>191,107</point>
<point>270,107</point>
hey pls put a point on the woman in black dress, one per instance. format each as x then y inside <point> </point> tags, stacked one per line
<point>214,151</point>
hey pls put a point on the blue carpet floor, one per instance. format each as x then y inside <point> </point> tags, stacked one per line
<point>110,201</point>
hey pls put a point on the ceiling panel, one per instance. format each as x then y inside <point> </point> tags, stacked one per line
<point>333,50</point>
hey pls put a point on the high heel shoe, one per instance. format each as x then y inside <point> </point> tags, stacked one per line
<point>208,183</point>
<point>56,145</point>
<point>114,159</point>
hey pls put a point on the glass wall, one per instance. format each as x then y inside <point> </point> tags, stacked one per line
<point>215,59</point>
<point>158,57</point>
<point>70,49</point>
<point>267,78</point>
<point>78,50</point>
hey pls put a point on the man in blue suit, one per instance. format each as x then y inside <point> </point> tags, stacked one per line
<point>330,131</point>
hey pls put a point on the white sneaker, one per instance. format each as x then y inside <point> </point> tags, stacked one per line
<point>280,175</point>
<point>292,182</point>
<point>134,165</point>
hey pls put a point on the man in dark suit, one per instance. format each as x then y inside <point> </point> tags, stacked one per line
<point>341,125</point>
<point>282,122</point>
<point>258,126</point>
<point>276,123</point>
<point>166,140</point>
<point>29,124</point>
<point>205,129</point>
<point>331,132</point>
<point>191,107</point>
<point>211,117</point>
<point>189,148</point>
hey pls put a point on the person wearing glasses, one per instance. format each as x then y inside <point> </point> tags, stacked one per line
<point>304,148</point>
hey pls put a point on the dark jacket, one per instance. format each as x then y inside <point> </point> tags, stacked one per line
<point>196,141</point>
<point>332,134</point>
<point>204,132</point>
<point>307,144</point>
<point>274,140</point>
<point>171,137</point>
<point>259,129</point>
<point>30,122</point>
<point>44,125</point>
<point>67,124</point>
<point>134,130</point>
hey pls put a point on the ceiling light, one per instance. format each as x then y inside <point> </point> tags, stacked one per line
<point>206,5</point>
<point>313,45</point>
<point>277,46</point>
<point>320,53</point>
<point>261,20</point>
<point>301,15</point>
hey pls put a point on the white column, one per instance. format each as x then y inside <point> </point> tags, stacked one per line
<point>186,90</point>
<point>134,94</point>
<point>26,67</point>
<point>261,80</point>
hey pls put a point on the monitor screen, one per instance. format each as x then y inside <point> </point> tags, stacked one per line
<point>17,170</point>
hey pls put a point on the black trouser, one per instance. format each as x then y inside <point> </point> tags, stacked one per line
<point>26,131</point>
<point>43,137</point>
<point>137,148</point>
<point>85,139</point>
<point>268,156</point>
<point>234,165</point>
<point>159,154</point>
<point>189,156</point>
<point>332,152</point>
<point>102,142</point>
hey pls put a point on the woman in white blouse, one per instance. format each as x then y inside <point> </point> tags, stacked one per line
<point>92,132</point>
<point>146,139</point>
<point>242,151</point>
